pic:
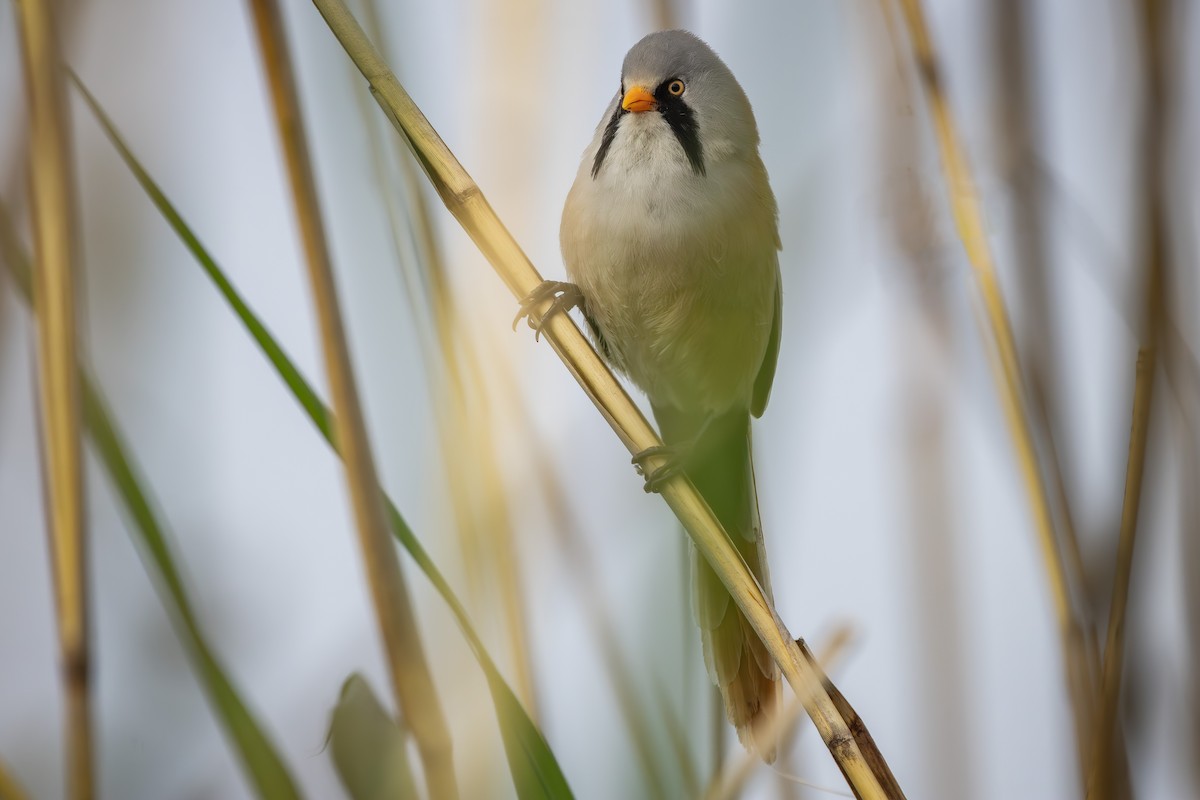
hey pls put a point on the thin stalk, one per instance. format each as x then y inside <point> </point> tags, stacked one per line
<point>678,739</point>
<point>1102,774</point>
<point>665,13</point>
<point>1017,86</point>
<point>263,765</point>
<point>579,563</point>
<point>535,771</point>
<point>927,477</point>
<point>968,218</point>
<point>53,210</point>
<point>411,680</point>
<point>466,202</point>
<point>467,441</point>
<point>1102,764</point>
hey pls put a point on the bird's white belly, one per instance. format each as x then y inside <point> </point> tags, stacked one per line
<point>683,294</point>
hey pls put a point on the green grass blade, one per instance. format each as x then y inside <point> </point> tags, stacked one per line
<point>262,763</point>
<point>535,771</point>
<point>368,746</point>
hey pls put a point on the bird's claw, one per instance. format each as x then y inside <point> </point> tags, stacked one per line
<point>565,297</point>
<point>674,463</point>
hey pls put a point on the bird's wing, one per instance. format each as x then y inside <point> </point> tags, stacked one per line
<point>766,372</point>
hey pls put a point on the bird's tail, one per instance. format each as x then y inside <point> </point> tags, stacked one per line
<point>737,660</point>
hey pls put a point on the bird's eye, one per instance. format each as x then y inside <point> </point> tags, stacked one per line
<point>676,87</point>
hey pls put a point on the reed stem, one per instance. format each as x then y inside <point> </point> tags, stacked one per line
<point>466,202</point>
<point>1079,668</point>
<point>52,203</point>
<point>411,680</point>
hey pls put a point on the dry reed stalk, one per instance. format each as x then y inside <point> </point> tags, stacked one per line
<point>729,781</point>
<point>867,774</point>
<point>1016,87</point>
<point>465,436</point>
<point>262,763</point>
<point>9,788</point>
<point>566,529</point>
<point>936,583</point>
<point>55,251</point>
<point>411,681</point>
<point>1102,773</point>
<point>968,217</point>
<point>665,13</point>
<point>1102,777</point>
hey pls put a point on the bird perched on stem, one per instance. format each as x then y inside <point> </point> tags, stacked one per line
<point>670,237</point>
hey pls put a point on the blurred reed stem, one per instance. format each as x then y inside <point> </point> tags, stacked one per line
<point>1016,86</point>
<point>9,788</point>
<point>566,528</point>
<point>466,435</point>
<point>1102,775</point>
<point>665,13</point>
<point>466,202</point>
<point>411,681</point>
<point>262,763</point>
<point>1080,668</point>
<point>52,204</point>
<point>534,769</point>
<point>935,583</point>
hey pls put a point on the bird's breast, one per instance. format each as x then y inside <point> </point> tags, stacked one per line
<point>679,274</point>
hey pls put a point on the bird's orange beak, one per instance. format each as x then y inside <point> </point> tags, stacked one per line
<point>638,99</point>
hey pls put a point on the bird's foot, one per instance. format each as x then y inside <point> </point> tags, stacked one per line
<point>565,296</point>
<point>674,462</point>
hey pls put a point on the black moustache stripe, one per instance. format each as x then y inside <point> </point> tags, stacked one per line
<point>682,119</point>
<point>610,133</point>
<point>678,114</point>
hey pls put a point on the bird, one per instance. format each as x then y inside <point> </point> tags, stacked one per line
<point>670,240</point>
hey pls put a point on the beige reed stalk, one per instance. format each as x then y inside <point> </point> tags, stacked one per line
<point>968,217</point>
<point>478,500</point>
<point>9,788</point>
<point>466,202</point>
<point>1103,770</point>
<point>53,208</point>
<point>1103,773</point>
<point>1018,123</point>
<point>411,681</point>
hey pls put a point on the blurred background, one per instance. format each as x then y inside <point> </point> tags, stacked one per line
<point>889,487</point>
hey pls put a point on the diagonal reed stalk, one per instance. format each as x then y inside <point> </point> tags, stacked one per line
<point>1080,669</point>
<point>867,775</point>
<point>411,680</point>
<point>9,788</point>
<point>479,502</point>
<point>262,763</point>
<point>1017,86</point>
<point>616,661</point>
<point>535,771</point>
<point>53,210</point>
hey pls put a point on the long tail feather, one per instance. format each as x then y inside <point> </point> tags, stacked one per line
<point>737,661</point>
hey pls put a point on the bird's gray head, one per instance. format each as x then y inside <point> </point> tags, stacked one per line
<point>674,86</point>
